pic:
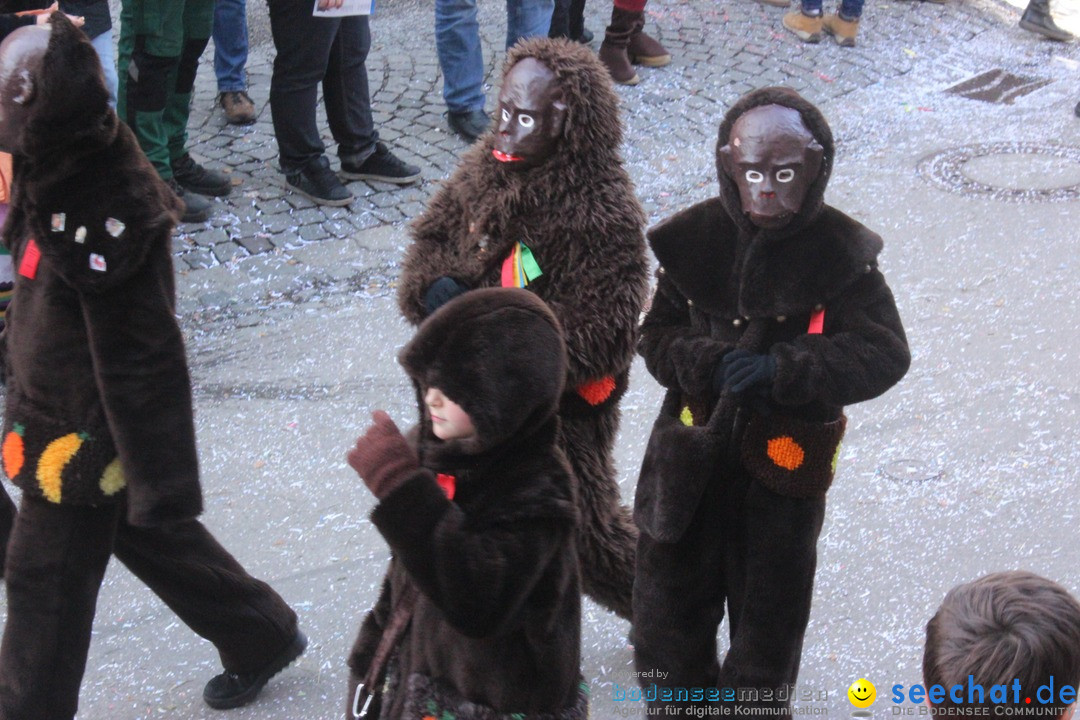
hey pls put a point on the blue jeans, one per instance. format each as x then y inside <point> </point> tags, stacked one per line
<point>230,44</point>
<point>457,41</point>
<point>104,45</point>
<point>850,9</point>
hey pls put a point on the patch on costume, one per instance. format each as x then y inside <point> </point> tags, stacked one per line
<point>597,391</point>
<point>58,222</point>
<point>817,322</point>
<point>54,459</point>
<point>520,267</point>
<point>114,227</point>
<point>80,234</point>
<point>448,483</point>
<point>14,450</point>
<point>30,259</point>
<point>686,417</point>
<point>97,262</point>
<point>112,479</point>
<point>785,452</point>
<point>835,458</point>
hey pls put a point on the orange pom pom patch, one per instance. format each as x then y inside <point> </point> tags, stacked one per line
<point>597,391</point>
<point>785,452</point>
<point>14,451</point>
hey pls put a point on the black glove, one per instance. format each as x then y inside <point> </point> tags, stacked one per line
<point>441,292</point>
<point>744,371</point>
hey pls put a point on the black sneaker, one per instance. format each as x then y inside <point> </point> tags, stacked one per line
<point>318,183</point>
<point>381,165</point>
<point>196,207</point>
<point>231,690</point>
<point>469,124</point>
<point>198,179</point>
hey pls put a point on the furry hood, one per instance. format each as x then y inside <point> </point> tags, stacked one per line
<point>83,187</point>
<point>587,153</point>
<point>499,354</point>
<point>71,115</point>
<point>819,128</point>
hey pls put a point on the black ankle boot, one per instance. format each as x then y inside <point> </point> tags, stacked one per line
<point>1037,19</point>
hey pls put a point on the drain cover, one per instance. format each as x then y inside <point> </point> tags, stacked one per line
<point>905,470</point>
<point>997,86</point>
<point>1017,172</point>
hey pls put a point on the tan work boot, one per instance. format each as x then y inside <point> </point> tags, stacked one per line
<point>238,107</point>
<point>808,29</point>
<point>843,31</point>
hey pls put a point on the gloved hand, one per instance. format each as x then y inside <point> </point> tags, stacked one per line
<point>382,456</point>
<point>695,360</point>
<point>743,371</point>
<point>441,292</point>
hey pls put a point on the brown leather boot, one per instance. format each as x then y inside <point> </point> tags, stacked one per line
<point>646,50</point>
<point>613,51</point>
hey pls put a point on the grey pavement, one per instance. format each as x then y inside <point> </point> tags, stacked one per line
<point>969,465</point>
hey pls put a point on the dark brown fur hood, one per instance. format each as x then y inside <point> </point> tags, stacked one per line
<point>731,268</point>
<point>499,354</point>
<point>80,162</point>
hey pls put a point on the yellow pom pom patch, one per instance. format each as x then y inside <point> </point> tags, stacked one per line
<point>686,416</point>
<point>112,480</point>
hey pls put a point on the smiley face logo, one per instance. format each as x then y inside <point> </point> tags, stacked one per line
<point>862,693</point>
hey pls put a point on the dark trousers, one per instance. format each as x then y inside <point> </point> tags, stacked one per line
<point>55,564</point>
<point>756,551</point>
<point>309,51</point>
<point>568,19</point>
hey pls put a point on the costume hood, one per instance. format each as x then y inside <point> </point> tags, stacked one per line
<point>499,354</point>
<point>819,128</point>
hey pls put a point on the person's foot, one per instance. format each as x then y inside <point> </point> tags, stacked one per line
<point>381,165</point>
<point>775,3</point>
<point>1037,19</point>
<point>843,31</point>
<point>194,177</point>
<point>238,106</point>
<point>805,27</point>
<point>318,183</point>
<point>196,207</point>
<point>231,690</point>
<point>586,36</point>
<point>468,124</point>
<point>1076,110</point>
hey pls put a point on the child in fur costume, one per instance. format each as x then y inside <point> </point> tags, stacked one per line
<point>479,616</point>
<point>98,429</point>
<point>770,316</point>
<point>544,203</point>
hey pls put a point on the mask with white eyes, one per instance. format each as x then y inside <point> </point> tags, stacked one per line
<point>530,115</point>
<point>773,158</point>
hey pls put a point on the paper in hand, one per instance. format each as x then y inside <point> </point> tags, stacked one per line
<point>349,7</point>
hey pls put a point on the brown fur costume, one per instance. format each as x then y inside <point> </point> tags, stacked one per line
<point>578,214</point>
<point>98,428</point>
<point>743,534</point>
<point>496,625</point>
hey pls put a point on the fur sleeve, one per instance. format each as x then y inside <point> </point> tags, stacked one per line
<point>432,253</point>
<point>598,302</point>
<point>142,378</point>
<point>861,354</point>
<point>371,631</point>
<point>677,355</point>
<point>478,574</point>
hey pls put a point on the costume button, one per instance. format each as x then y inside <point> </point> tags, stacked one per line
<point>868,268</point>
<point>660,271</point>
<point>781,318</point>
<point>819,306</point>
<point>737,322</point>
<point>690,303</point>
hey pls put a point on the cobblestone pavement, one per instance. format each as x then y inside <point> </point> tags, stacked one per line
<point>721,49</point>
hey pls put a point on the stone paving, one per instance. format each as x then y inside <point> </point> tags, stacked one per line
<point>721,49</point>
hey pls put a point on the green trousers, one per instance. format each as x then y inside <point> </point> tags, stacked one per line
<point>158,55</point>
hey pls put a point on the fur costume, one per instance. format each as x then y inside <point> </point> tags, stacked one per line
<point>744,531</point>
<point>496,625</point>
<point>98,428</point>
<point>578,214</point>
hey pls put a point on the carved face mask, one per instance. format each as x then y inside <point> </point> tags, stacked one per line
<point>773,159</point>
<point>21,56</point>
<point>530,115</point>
